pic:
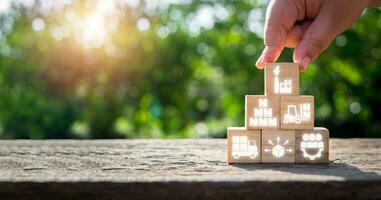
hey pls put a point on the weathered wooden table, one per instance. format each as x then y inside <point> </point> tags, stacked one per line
<point>179,169</point>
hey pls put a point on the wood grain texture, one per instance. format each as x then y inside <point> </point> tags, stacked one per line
<point>252,136</point>
<point>287,71</point>
<point>252,102</point>
<point>296,103</point>
<point>271,139</point>
<point>180,169</point>
<point>300,156</point>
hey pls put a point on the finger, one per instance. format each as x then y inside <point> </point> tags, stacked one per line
<point>269,55</point>
<point>374,3</point>
<point>315,39</point>
<point>293,36</point>
<point>332,20</point>
<point>296,33</point>
<point>312,8</point>
<point>280,18</point>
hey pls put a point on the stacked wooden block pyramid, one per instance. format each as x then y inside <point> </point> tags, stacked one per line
<point>279,126</point>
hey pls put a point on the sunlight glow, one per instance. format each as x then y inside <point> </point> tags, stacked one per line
<point>94,33</point>
<point>93,29</point>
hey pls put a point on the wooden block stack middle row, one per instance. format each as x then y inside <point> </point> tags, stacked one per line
<point>279,126</point>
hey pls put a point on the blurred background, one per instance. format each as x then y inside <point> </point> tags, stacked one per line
<point>165,69</point>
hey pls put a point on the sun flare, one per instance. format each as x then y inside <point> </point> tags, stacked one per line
<point>92,28</point>
<point>94,32</point>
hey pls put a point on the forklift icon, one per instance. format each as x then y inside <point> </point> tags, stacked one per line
<point>296,116</point>
<point>244,147</point>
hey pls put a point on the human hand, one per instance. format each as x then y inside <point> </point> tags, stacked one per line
<point>308,26</point>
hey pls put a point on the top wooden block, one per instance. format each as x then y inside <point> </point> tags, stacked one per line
<point>282,79</point>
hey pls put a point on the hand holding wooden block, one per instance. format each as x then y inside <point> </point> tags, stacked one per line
<point>244,146</point>
<point>282,79</point>
<point>279,126</point>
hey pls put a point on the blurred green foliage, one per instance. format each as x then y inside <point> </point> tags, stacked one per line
<point>166,69</point>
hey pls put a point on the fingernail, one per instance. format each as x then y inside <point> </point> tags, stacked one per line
<point>305,62</point>
<point>259,62</point>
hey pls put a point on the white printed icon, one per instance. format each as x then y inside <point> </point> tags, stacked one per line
<point>296,114</point>
<point>263,115</point>
<point>278,150</point>
<point>312,143</point>
<point>284,87</point>
<point>244,147</point>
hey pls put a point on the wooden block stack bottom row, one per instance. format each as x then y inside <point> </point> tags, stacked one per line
<point>279,126</point>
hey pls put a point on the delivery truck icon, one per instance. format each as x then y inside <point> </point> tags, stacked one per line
<point>242,147</point>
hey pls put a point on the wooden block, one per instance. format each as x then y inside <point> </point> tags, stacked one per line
<point>262,112</point>
<point>312,146</point>
<point>244,146</point>
<point>282,79</point>
<point>278,146</point>
<point>297,112</point>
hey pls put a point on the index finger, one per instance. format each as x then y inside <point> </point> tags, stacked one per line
<point>281,16</point>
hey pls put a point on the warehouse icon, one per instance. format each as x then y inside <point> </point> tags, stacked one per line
<point>263,115</point>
